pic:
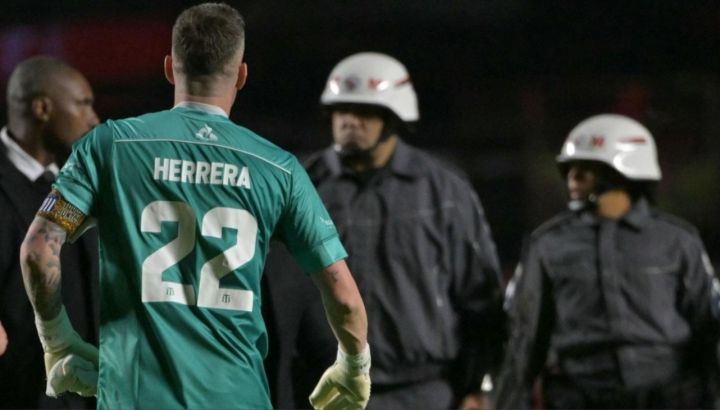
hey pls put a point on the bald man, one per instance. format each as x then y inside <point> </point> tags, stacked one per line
<point>50,106</point>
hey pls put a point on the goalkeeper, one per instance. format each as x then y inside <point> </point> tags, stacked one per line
<point>186,203</point>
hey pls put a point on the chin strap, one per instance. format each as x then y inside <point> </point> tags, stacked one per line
<point>590,202</point>
<point>604,184</point>
<point>354,154</point>
<point>367,153</point>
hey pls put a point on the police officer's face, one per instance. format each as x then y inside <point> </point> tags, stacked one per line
<point>356,127</point>
<point>582,179</point>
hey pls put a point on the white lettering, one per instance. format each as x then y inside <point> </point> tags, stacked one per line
<point>231,172</point>
<point>244,179</point>
<point>188,170</point>
<point>202,173</point>
<point>175,170</point>
<point>161,168</point>
<point>216,173</point>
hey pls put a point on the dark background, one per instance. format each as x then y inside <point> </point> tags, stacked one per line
<point>500,82</point>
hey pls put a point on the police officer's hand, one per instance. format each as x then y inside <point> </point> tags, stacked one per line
<point>3,339</point>
<point>475,401</point>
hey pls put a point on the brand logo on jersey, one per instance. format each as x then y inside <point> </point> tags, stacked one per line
<point>205,133</point>
<point>69,165</point>
<point>326,221</point>
<point>200,172</point>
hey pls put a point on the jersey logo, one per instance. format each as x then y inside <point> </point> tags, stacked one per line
<point>205,133</point>
<point>69,165</point>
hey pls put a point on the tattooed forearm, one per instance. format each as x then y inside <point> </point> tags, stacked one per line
<point>40,263</point>
<point>333,274</point>
<point>343,306</point>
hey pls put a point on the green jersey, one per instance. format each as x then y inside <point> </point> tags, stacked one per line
<point>186,203</point>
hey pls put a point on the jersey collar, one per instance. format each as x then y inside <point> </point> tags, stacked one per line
<point>206,108</point>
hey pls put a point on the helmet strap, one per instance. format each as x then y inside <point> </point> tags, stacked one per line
<point>389,129</point>
<point>607,180</point>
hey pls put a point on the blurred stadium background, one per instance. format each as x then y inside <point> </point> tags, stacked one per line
<point>500,82</point>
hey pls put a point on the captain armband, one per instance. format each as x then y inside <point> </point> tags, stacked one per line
<point>61,212</point>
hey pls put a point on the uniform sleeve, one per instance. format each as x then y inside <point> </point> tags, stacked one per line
<point>700,300</point>
<point>80,178</point>
<point>531,318</point>
<point>306,227</point>
<point>477,291</point>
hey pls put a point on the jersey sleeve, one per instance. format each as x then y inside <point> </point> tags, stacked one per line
<point>79,179</point>
<point>306,227</point>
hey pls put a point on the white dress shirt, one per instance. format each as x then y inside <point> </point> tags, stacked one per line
<point>26,164</point>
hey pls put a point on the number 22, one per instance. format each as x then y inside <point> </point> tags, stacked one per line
<point>210,294</point>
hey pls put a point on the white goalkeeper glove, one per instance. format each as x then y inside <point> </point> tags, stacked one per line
<point>65,373</point>
<point>345,384</point>
<point>72,373</point>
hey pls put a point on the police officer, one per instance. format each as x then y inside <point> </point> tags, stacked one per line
<point>612,301</point>
<point>419,245</point>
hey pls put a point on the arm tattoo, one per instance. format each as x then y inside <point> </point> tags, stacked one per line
<point>40,263</point>
<point>333,274</point>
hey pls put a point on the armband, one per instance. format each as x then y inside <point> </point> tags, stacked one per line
<point>61,212</point>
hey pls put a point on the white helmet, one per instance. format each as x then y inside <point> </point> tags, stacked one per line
<point>375,79</point>
<point>618,141</point>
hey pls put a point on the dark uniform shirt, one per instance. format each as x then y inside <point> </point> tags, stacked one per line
<point>619,303</point>
<point>424,260</point>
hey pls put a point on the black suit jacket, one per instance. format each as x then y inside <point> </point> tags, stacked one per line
<point>22,372</point>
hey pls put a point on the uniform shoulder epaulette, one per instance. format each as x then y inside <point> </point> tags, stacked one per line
<point>314,165</point>
<point>676,221</point>
<point>441,164</point>
<point>552,223</point>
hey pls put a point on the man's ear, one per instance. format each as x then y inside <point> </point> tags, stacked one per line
<point>41,108</point>
<point>242,76</point>
<point>168,68</point>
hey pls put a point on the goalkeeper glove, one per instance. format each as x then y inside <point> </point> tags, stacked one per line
<point>60,341</point>
<point>72,373</point>
<point>345,384</point>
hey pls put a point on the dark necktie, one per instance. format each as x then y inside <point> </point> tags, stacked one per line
<point>47,177</point>
<point>44,182</point>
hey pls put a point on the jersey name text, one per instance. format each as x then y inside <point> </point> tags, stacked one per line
<point>200,172</point>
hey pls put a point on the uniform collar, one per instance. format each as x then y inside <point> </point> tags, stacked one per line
<point>26,164</point>
<point>206,108</point>
<point>637,217</point>
<point>403,161</point>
